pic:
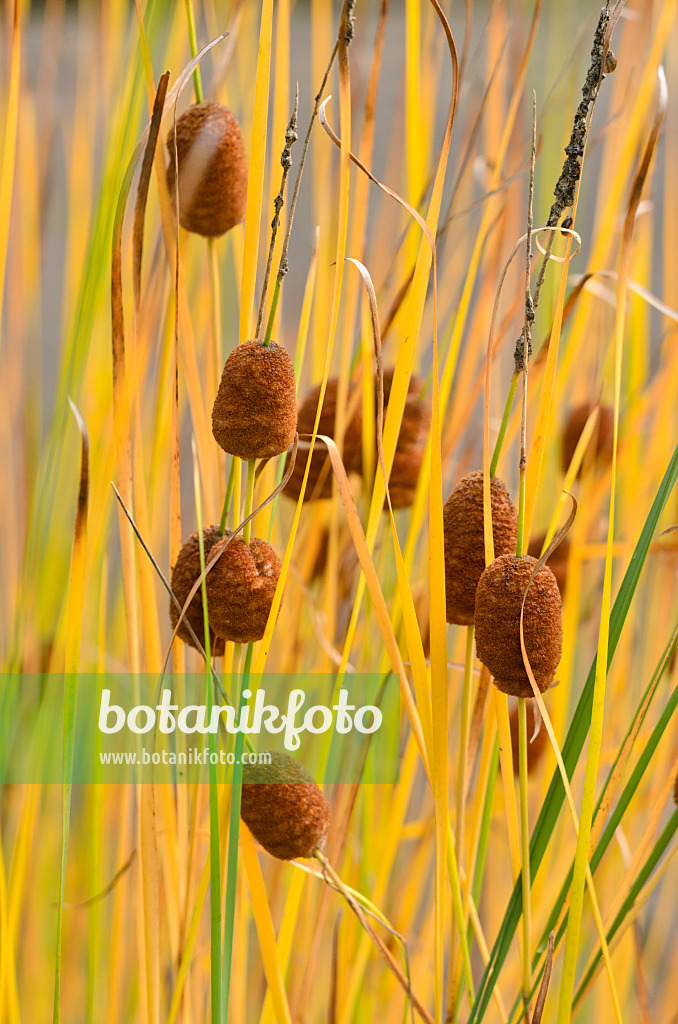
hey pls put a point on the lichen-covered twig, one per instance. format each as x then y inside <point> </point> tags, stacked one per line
<point>291,136</point>
<point>602,61</point>
<point>566,186</point>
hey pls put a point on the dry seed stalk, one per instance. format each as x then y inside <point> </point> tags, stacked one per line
<point>291,136</point>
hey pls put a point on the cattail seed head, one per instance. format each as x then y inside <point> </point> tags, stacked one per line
<point>317,488</point>
<point>212,169</point>
<point>557,562</point>
<point>240,589</point>
<point>602,440</point>
<point>284,808</point>
<point>411,444</point>
<point>255,412</point>
<point>675,791</point>
<point>184,574</point>
<point>465,541</point>
<point>499,599</point>
<point>535,747</point>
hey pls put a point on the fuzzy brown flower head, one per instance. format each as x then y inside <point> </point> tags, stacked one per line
<point>416,414</point>
<point>557,562</point>
<point>212,169</point>
<point>602,438</point>
<point>499,599</point>
<point>184,574</point>
<point>255,412</point>
<point>465,541</point>
<point>411,445</point>
<point>240,590</point>
<point>319,483</point>
<point>535,747</point>
<point>675,791</point>
<point>284,808</point>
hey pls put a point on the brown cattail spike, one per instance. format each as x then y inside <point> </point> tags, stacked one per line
<point>319,483</point>
<point>284,808</point>
<point>675,791</point>
<point>212,169</point>
<point>499,599</point>
<point>255,412</point>
<point>535,747</point>
<point>557,562</point>
<point>411,444</point>
<point>240,589</point>
<point>465,541</point>
<point>184,574</point>
<point>601,442</point>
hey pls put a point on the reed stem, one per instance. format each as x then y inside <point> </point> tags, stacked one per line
<point>525,852</point>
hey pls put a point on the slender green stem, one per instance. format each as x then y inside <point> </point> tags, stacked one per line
<point>249,499</point>
<point>486,820</point>
<point>458,912</point>
<point>233,838</point>
<point>215,845</point>
<point>229,497</point>
<point>520,539</point>
<point>463,747</point>
<point>461,785</point>
<point>524,851</point>
<point>215,304</point>
<point>193,43</point>
<point>272,311</point>
<point>504,424</point>
<point>481,854</point>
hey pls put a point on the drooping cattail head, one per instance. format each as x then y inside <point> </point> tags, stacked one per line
<point>557,562</point>
<point>284,808</point>
<point>255,412</point>
<point>212,169</point>
<point>499,599</point>
<point>535,747</point>
<point>319,483</point>
<point>465,541</point>
<point>240,589</point>
<point>184,574</point>
<point>602,440</point>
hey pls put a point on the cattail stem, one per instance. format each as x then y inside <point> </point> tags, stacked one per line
<point>273,310</point>
<point>249,500</point>
<point>520,539</point>
<point>237,491</point>
<point>463,747</point>
<point>499,443</point>
<point>215,308</point>
<point>233,836</point>
<point>525,852</point>
<point>214,841</point>
<point>229,495</point>
<point>461,784</point>
<point>193,44</point>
